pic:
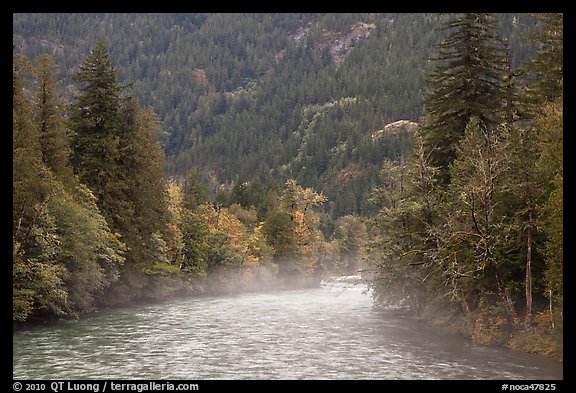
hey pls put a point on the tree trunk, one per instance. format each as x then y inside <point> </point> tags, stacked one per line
<point>528,319</point>
<point>504,294</point>
<point>551,315</point>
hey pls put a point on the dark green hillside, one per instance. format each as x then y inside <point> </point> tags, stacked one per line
<point>265,96</point>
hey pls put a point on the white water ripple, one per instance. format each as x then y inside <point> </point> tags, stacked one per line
<point>325,333</point>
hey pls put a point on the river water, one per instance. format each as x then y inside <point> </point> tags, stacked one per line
<point>330,332</point>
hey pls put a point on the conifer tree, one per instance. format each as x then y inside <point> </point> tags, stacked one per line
<point>466,82</point>
<point>37,283</point>
<point>96,121</point>
<point>142,161</point>
<point>545,72</point>
<point>28,171</point>
<point>550,167</point>
<point>64,253</point>
<point>49,116</point>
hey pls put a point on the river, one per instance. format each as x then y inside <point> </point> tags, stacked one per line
<point>330,332</point>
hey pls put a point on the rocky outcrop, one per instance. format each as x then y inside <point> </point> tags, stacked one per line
<point>395,128</point>
<point>339,44</point>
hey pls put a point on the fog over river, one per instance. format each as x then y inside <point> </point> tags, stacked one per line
<point>330,332</point>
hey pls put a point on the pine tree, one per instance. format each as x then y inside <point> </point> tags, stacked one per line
<point>64,253</point>
<point>466,82</point>
<point>400,252</point>
<point>28,172</point>
<point>522,195</point>
<point>292,229</point>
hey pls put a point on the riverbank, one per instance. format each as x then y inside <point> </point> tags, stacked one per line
<point>493,330</point>
<point>138,288</point>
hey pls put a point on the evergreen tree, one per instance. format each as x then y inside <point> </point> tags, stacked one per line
<point>64,254</point>
<point>29,174</point>
<point>408,202</point>
<point>522,195</point>
<point>142,162</point>
<point>292,229</point>
<point>466,82</point>
<point>37,282</point>
<point>544,72</point>
<point>195,251</point>
<point>550,210</point>
<point>50,118</point>
<point>543,75</point>
<point>96,125</point>
<point>194,192</point>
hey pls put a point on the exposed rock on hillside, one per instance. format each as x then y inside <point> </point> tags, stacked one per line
<point>339,44</point>
<point>395,128</point>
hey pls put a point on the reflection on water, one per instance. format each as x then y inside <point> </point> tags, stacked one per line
<point>325,333</point>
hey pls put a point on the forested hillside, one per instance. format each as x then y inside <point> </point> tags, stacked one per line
<point>266,97</point>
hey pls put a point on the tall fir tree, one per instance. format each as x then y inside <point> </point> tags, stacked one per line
<point>142,160</point>
<point>467,81</point>
<point>550,167</point>
<point>96,121</point>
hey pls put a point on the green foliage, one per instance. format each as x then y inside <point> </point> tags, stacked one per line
<point>37,288</point>
<point>292,228</point>
<point>91,254</point>
<point>36,277</point>
<point>544,72</point>
<point>408,202</point>
<point>95,122</point>
<point>351,236</point>
<point>467,81</point>
<point>279,230</point>
<point>474,230</point>
<point>29,174</point>
<point>550,167</point>
<point>64,252</point>
<point>195,192</point>
<point>53,131</point>
<point>488,236</point>
<point>196,246</point>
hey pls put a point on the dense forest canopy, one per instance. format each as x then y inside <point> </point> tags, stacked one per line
<point>266,96</point>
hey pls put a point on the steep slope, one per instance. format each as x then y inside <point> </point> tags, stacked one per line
<point>264,96</point>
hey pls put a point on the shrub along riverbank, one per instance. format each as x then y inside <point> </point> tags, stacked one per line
<point>483,327</point>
